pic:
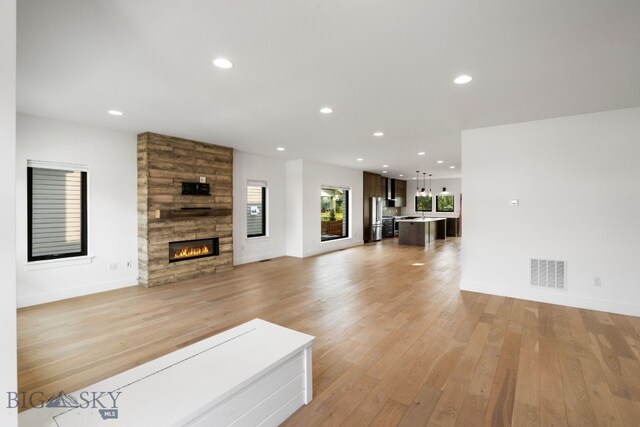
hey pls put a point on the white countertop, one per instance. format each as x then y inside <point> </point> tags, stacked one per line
<point>430,215</point>
<point>425,219</point>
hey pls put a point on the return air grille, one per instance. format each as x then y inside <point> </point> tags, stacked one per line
<point>549,274</point>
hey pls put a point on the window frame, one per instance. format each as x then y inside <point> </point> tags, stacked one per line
<point>415,204</point>
<point>453,196</point>
<point>346,211</point>
<point>84,222</point>
<point>264,187</point>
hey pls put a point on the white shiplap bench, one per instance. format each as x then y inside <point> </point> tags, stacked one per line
<point>257,373</point>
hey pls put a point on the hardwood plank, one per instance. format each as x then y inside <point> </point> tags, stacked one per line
<point>472,411</point>
<point>602,401</point>
<point>526,411</point>
<point>421,408</point>
<point>484,375</point>
<point>552,409</point>
<point>449,406</point>
<point>578,407</point>
<point>629,411</point>
<point>338,408</point>
<point>501,400</point>
<point>389,415</point>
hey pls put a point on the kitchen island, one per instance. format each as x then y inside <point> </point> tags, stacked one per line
<point>421,231</point>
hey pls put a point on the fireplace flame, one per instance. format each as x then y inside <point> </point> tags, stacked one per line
<point>191,252</point>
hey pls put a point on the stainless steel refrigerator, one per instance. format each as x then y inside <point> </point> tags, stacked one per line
<point>375,215</point>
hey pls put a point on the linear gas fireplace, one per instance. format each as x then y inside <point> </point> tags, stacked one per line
<point>191,249</point>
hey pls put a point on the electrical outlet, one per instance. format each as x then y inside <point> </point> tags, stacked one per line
<point>203,180</point>
<point>129,263</point>
<point>113,266</point>
<point>597,282</point>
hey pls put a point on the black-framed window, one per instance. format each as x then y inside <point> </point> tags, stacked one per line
<point>445,203</point>
<point>56,213</point>
<point>256,209</point>
<point>423,203</point>
<point>334,213</point>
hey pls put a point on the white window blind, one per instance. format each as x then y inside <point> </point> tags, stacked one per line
<point>57,213</point>
<point>256,208</point>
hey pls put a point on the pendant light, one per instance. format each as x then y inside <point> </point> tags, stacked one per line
<point>423,193</point>
<point>430,194</point>
<point>417,183</point>
<point>444,190</point>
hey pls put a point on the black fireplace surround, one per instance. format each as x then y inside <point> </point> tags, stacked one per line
<point>192,249</point>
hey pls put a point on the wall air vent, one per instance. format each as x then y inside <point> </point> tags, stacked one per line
<point>549,274</point>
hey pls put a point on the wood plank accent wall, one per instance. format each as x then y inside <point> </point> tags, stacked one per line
<point>164,162</point>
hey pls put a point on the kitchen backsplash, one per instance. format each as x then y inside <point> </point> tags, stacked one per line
<point>391,211</point>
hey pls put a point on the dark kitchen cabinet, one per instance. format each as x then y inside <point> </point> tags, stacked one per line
<point>452,227</point>
<point>373,185</point>
<point>387,227</point>
<point>381,187</point>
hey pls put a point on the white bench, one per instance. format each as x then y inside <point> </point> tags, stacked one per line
<point>255,374</point>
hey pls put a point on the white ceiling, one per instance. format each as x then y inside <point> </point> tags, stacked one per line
<point>380,64</point>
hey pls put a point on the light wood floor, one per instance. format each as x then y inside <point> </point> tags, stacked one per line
<point>397,343</point>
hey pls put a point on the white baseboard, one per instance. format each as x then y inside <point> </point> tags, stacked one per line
<point>256,258</point>
<point>331,246</point>
<point>42,298</point>
<point>553,297</point>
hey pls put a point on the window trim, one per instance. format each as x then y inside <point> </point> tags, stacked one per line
<point>265,231</point>
<point>84,238</point>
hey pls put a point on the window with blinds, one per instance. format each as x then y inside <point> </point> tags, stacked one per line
<point>57,213</point>
<point>256,209</point>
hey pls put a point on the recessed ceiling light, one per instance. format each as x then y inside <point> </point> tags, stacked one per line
<point>384,171</point>
<point>115,112</point>
<point>421,153</point>
<point>378,133</point>
<point>417,264</point>
<point>400,175</point>
<point>280,148</point>
<point>462,80</point>
<point>359,159</point>
<point>452,167</point>
<point>326,110</point>
<point>440,161</point>
<point>223,63</point>
<point>385,166</point>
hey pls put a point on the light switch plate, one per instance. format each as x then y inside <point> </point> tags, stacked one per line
<point>203,180</point>
<point>515,202</point>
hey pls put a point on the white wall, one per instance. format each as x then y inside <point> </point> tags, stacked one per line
<point>111,158</point>
<point>294,208</point>
<point>578,182</point>
<point>8,363</point>
<point>248,166</point>
<point>453,185</point>
<point>314,176</point>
